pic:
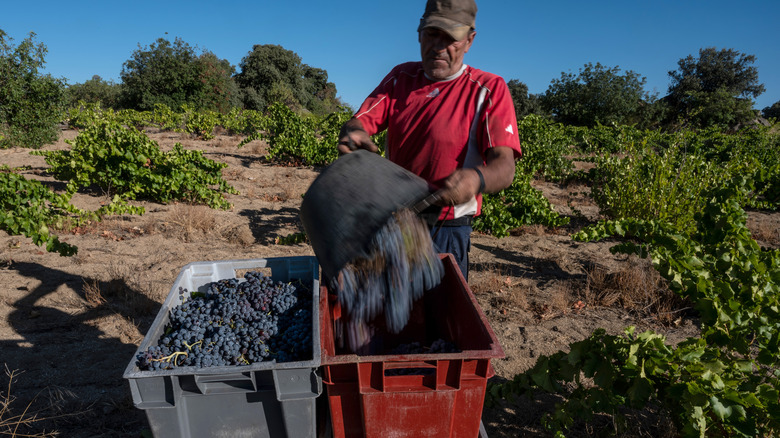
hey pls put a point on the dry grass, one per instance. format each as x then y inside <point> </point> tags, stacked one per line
<point>256,147</point>
<point>185,222</point>
<point>92,294</point>
<point>506,293</point>
<point>130,287</point>
<point>189,222</point>
<point>19,424</point>
<point>599,290</point>
<point>636,286</point>
<point>559,300</point>
<point>239,235</point>
<point>288,193</point>
<point>127,330</point>
<point>192,223</point>
<point>149,226</point>
<point>561,297</point>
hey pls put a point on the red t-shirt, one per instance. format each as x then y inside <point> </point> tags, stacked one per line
<point>435,127</point>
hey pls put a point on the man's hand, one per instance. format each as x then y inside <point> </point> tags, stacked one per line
<point>463,184</point>
<point>459,187</point>
<point>353,137</point>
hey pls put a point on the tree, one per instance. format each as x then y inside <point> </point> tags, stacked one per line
<point>320,94</point>
<point>271,73</point>
<point>31,103</point>
<point>173,74</point>
<point>772,112</point>
<point>715,88</point>
<point>525,103</point>
<point>95,90</point>
<point>597,95</point>
<point>220,92</point>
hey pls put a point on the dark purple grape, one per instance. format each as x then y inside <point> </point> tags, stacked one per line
<point>235,323</point>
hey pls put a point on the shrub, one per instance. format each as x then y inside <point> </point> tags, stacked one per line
<point>125,161</point>
<point>649,184</point>
<point>31,103</point>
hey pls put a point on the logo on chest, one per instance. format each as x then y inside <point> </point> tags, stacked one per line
<point>433,93</point>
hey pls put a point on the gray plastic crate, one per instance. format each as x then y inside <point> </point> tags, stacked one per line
<point>264,399</point>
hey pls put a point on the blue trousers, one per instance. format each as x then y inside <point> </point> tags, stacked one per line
<point>455,241</point>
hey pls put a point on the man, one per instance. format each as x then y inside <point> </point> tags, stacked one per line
<point>451,124</point>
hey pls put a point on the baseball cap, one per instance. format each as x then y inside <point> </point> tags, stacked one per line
<point>456,17</point>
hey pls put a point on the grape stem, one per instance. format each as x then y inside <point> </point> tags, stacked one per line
<point>189,347</point>
<point>172,357</point>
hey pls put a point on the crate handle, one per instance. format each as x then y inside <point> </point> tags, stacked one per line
<point>433,375</point>
<point>397,374</point>
<point>225,383</point>
<point>400,366</point>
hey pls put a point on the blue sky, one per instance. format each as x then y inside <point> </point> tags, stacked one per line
<point>357,42</point>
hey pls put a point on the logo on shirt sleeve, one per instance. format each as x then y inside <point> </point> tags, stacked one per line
<point>510,129</point>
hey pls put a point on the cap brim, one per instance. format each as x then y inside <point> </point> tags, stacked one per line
<point>454,29</point>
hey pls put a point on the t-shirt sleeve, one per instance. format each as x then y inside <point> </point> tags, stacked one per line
<point>374,111</point>
<point>500,120</point>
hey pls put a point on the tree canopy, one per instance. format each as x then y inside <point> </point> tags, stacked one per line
<point>525,103</point>
<point>714,88</point>
<point>220,92</point>
<point>596,95</point>
<point>174,74</point>
<point>271,73</point>
<point>772,112</point>
<point>95,90</point>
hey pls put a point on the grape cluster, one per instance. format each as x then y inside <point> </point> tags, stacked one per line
<point>401,265</point>
<point>235,323</point>
<point>295,336</point>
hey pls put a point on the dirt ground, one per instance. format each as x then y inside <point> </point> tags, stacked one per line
<point>70,326</point>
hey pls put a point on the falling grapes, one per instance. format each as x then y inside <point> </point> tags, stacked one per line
<point>235,323</point>
<point>401,265</point>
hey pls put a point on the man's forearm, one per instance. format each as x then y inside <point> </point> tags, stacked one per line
<point>499,170</point>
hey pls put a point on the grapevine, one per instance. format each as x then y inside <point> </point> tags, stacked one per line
<point>519,204</point>
<point>29,208</point>
<point>724,383</point>
<point>126,162</point>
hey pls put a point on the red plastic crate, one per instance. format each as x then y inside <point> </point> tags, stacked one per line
<point>442,396</point>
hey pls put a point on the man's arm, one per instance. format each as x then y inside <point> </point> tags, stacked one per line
<point>498,173</point>
<point>353,137</point>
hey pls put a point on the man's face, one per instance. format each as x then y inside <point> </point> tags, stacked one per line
<point>442,56</point>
